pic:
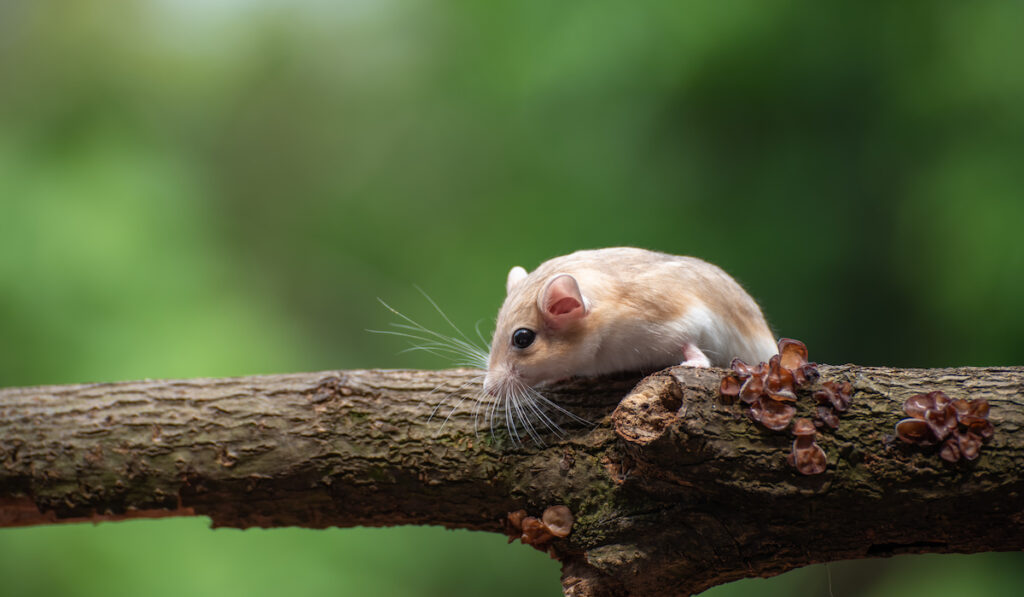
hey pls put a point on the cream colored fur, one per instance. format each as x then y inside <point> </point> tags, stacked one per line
<point>642,308</point>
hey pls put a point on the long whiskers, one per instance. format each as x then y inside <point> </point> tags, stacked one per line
<point>436,343</point>
<point>526,406</point>
<point>525,410</point>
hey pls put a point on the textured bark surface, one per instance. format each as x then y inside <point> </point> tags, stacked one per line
<point>674,490</point>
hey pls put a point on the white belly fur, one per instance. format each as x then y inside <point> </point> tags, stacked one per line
<point>635,345</point>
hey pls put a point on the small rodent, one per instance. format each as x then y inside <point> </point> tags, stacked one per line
<point>620,309</point>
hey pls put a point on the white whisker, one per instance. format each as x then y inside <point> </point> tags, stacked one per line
<point>537,396</point>
<point>490,415</point>
<point>530,429</point>
<point>476,417</point>
<point>473,381</point>
<point>468,342</point>
<point>424,338</point>
<point>479,334</point>
<point>539,412</point>
<point>526,411</point>
<point>510,420</point>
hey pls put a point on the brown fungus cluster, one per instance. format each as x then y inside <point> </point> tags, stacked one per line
<point>770,391</point>
<point>770,388</point>
<point>960,426</point>
<point>832,398</point>
<point>556,522</point>
<point>835,395</point>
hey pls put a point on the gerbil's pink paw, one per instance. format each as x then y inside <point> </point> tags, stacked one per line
<point>694,357</point>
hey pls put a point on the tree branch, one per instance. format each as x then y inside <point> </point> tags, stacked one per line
<point>673,492</point>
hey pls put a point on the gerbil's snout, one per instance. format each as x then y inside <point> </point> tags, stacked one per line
<point>497,380</point>
<point>505,378</point>
<point>489,384</point>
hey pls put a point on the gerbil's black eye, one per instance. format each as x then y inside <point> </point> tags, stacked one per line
<point>523,337</point>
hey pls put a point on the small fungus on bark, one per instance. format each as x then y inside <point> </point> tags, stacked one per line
<point>773,414</point>
<point>792,353</point>
<point>535,533</point>
<point>826,416</point>
<point>539,532</point>
<point>916,406</point>
<point>779,382</point>
<point>915,431</point>
<point>961,426</point>
<point>770,388</point>
<point>514,524</point>
<point>752,389</point>
<point>835,394</point>
<point>804,428</point>
<point>558,520</point>
<point>807,456</point>
<point>730,386</point>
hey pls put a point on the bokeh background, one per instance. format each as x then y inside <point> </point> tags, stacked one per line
<point>214,188</point>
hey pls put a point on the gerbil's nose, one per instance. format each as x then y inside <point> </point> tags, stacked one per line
<point>496,379</point>
<point>501,379</point>
<point>490,384</point>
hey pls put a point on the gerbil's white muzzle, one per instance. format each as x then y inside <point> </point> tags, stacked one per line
<point>490,385</point>
<point>499,380</point>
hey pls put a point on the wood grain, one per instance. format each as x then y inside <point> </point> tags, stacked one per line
<point>674,490</point>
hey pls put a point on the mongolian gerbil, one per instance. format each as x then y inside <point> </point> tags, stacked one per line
<point>618,309</point>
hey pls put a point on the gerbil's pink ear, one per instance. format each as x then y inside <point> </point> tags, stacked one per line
<point>515,275</point>
<point>561,301</point>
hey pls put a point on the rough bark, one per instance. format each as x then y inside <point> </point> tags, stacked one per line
<point>674,490</point>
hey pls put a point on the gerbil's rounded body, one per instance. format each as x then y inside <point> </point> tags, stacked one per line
<point>621,309</point>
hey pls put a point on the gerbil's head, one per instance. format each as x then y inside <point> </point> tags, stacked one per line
<point>541,333</point>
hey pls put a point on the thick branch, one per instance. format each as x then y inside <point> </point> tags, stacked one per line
<point>674,492</point>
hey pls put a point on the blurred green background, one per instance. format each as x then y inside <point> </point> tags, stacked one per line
<point>193,188</point>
